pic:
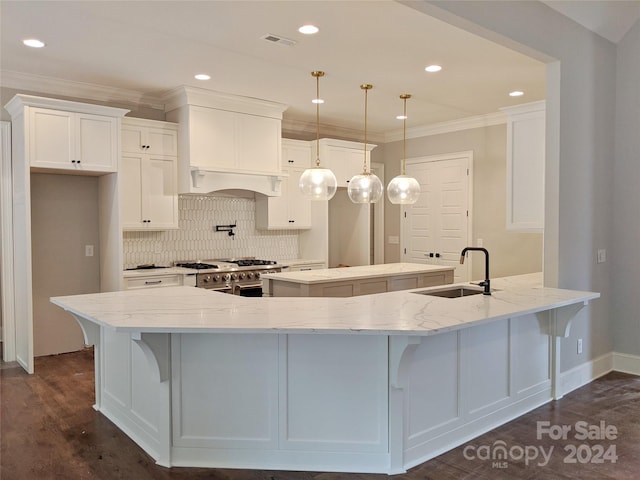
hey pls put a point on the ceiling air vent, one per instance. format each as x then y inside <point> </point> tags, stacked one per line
<point>279,40</point>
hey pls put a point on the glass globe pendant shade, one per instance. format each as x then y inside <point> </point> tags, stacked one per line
<point>403,190</point>
<point>318,183</point>
<point>365,188</point>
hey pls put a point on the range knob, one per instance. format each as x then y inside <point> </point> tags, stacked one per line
<point>216,278</point>
<point>234,276</point>
<point>243,276</point>
<point>226,277</point>
<point>257,275</point>
<point>251,275</point>
<point>207,279</point>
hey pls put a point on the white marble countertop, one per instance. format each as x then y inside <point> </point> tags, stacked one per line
<point>193,310</point>
<point>290,262</point>
<point>326,275</point>
<point>147,272</point>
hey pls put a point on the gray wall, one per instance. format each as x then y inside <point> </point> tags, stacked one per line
<point>581,99</point>
<point>626,219</point>
<point>511,253</point>
<point>64,218</point>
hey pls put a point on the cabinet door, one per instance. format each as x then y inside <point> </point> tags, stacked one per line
<point>344,162</point>
<point>258,144</point>
<point>159,192</point>
<point>162,141</point>
<point>295,154</point>
<point>154,140</point>
<point>96,143</point>
<point>525,172</point>
<point>299,205</point>
<point>50,138</point>
<point>131,187</point>
<point>132,138</point>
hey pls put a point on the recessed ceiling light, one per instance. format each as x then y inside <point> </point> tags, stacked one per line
<point>308,29</point>
<point>433,68</point>
<point>401,117</point>
<point>317,100</point>
<point>516,93</point>
<point>202,76</point>
<point>33,42</point>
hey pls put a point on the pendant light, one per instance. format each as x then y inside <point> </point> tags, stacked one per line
<point>318,183</point>
<point>403,189</point>
<point>366,187</point>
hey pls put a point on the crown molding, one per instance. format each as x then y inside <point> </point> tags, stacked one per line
<point>72,89</point>
<point>307,130</point>
<point>477,121</point>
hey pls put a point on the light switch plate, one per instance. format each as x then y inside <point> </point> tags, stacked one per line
<point>88,250</point>
<point>393,240</point>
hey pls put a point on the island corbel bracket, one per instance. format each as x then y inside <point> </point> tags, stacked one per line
<point>559,319</point>
<point>90,330</point>
<point>155,347</point>
<point>401,350</point>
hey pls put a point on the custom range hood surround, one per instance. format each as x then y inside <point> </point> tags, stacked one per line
<point>226,142</point>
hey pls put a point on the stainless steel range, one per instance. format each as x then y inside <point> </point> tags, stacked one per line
<point>239,276</point>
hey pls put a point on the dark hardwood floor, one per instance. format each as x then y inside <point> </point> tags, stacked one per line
<point>50,431</point>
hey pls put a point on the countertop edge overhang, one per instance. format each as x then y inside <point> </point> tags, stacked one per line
<point>311,277</point>
<point>185,309</point>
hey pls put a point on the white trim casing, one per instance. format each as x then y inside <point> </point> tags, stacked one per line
<point>6,235</point>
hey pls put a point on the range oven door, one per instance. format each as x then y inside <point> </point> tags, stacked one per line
<point>248,290</point>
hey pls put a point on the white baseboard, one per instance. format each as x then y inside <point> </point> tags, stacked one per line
<point>626,363</point>
<point>587,372</point>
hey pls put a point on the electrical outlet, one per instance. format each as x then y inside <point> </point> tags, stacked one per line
<point>394,240</point>
<point>579,346</point>
<point>602,255</point>
<point>88,250</point>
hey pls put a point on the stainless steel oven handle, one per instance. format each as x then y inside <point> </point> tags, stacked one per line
<point>251,286</point>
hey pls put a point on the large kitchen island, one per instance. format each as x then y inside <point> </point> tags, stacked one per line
<point>372,383</point>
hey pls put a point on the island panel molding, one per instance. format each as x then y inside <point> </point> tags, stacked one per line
<point>376,383</point>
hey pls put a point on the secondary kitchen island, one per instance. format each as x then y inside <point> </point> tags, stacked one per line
<point>374,383</point>
<point>360,280</point>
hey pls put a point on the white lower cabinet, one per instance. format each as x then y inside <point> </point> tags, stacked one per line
<point>132,283</point>
<point>149,192</point>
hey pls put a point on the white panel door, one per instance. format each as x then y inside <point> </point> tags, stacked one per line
<point>436,228</point>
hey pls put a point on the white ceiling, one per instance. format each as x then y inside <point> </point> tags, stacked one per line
<point>148,48</point>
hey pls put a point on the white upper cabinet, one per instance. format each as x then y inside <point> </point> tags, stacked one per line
<point>345,159</point>
<point>73,137</point>
<point>145,136</point>
<point>525,167</point>
<point>291,210</point>
<point>148,180</point>
<point>221,133</point>
<point>72,141</point>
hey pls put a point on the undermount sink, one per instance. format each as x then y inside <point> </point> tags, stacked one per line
<point>454,292</point>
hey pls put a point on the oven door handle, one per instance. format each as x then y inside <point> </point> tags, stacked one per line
<point>247,286</point>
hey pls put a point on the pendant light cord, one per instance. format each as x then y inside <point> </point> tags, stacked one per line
<point>366,87</point>
<point>403,164</point>
<point>317,74</point>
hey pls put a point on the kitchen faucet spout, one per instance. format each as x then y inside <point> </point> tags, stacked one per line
<point>486,283</point>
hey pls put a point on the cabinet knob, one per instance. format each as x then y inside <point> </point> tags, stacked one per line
<point>290,161</point>
<point>292,221</point>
